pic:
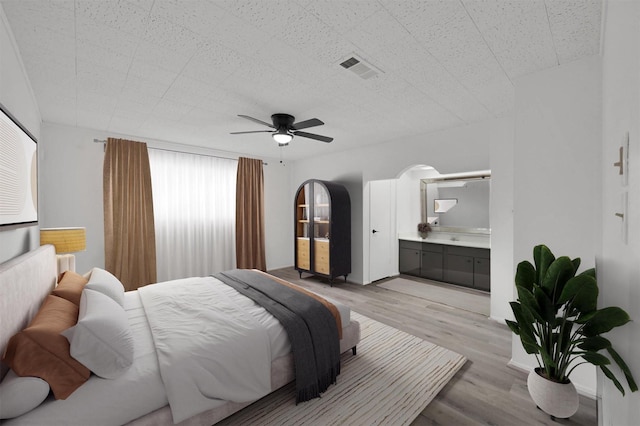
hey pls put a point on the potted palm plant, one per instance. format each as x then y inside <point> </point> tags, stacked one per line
<point>557,319</point>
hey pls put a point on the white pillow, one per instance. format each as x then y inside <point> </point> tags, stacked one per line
<point>101,340</point>
<point>104,282</point>
<point>19,395</point>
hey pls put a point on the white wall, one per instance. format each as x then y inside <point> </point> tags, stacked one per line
<point>71,188</point>
<point>408,209</point>
<point>618,264</point>
<point>501,206</point>
<point>278,205</point>
<point>17,97</point>
<point>557,173</point>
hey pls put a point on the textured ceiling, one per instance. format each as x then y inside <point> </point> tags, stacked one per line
<point>181,70</point>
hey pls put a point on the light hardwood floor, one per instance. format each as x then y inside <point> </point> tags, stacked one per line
<point>485,391</point>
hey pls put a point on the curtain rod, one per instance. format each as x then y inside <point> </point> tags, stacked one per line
<point>182,152</point>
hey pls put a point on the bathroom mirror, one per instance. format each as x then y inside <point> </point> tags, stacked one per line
<point>457,203</point>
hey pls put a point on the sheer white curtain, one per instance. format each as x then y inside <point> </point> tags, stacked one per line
<point>194,208</point>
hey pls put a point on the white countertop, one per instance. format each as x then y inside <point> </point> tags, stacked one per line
<point>484,243</point>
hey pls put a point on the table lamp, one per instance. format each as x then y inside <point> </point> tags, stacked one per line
<point>65,241</point>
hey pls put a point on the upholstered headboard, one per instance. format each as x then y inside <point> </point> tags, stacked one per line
<point>25,281</point>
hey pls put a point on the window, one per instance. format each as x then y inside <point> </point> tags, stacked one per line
<point>194,211</point>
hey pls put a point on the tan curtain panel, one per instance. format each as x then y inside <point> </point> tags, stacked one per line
<point>129,233</point>
<point>250,215</point>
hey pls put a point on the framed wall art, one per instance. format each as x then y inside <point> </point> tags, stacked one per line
<point>18,172</point>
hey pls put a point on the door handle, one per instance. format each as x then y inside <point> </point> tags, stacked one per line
<point>374,231</point>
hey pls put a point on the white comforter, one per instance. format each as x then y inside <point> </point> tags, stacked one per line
<point>208,348</point>
<point>141,389</point>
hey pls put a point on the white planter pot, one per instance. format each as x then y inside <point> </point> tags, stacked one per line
<point>556,399</point>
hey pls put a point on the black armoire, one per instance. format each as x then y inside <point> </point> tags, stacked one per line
<point>323,229</point>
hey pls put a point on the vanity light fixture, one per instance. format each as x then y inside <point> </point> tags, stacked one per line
<point>453,184</point>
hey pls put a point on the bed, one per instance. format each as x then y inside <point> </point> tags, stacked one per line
<point>139,396</point>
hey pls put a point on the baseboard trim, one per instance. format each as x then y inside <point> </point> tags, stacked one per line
<point>499,320</point>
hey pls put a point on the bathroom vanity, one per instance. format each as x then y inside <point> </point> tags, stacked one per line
<point>458,249</point>
<point>454,259</point>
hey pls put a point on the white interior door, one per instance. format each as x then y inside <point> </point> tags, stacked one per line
<point>381,229</point>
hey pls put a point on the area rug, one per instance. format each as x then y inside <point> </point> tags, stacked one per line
<point>470,300</point>
<point>390,381</point>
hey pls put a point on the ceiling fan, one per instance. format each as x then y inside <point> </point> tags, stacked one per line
<point>286,129</point>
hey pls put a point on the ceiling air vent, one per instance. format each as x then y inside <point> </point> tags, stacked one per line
<point>359,67</point>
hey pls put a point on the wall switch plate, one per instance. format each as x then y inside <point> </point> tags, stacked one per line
<point>625,159</point>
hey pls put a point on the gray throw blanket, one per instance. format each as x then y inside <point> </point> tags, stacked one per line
<point>311,328</point>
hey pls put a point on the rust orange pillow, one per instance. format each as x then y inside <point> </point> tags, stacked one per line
<point>70,286</point>
<point>41,351</point>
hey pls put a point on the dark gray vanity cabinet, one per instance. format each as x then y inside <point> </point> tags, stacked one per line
<point>466,266</point>
<point>410,252</point>
<point>482,273</point>
<point>421,260</point>
<point>431,265</point>
<point>459,270</point>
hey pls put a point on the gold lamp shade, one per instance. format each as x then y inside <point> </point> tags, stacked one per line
<point>65,240</point>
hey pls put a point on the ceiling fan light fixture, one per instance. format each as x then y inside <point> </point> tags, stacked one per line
<point>285,128</point>
<point>282,137</point>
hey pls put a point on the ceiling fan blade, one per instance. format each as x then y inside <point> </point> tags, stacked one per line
<point>314,136</point>
<point>306,124</point>
<point>255,120</point>
<point>252,131</point>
